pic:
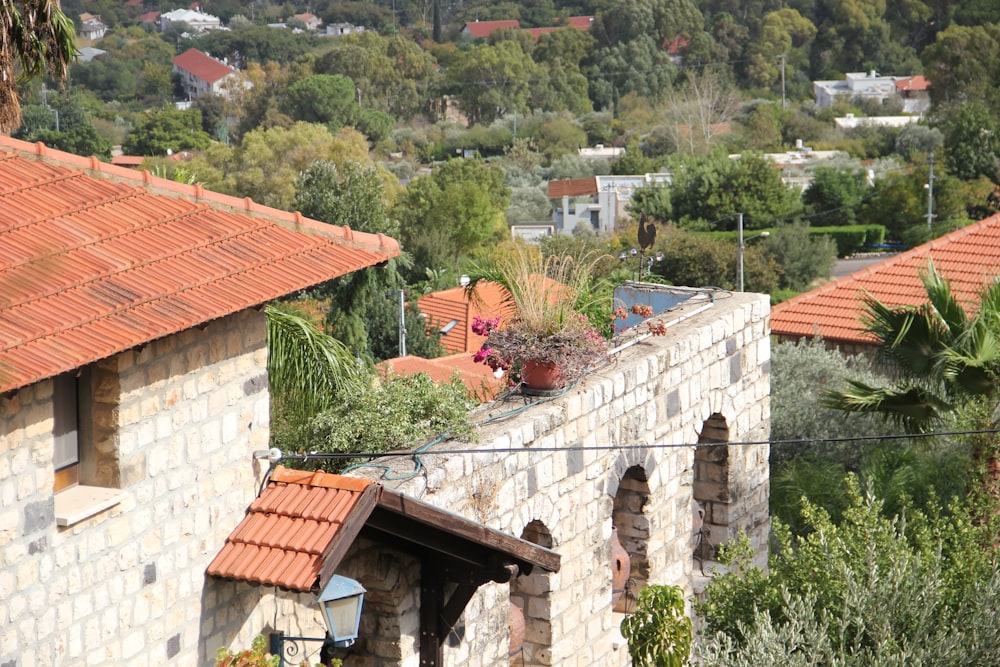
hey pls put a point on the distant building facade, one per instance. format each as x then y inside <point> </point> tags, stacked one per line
<point>910,90</point>
<point>195,20</point>
<point>202,74</point>
<point>597,201</point>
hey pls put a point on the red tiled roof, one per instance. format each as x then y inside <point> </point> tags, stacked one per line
<point>148,17</point>
<point>581,22</point>
<point>478,378</point>
<point>482,29</point>
<point>97,259</point>
<point>918,82</point>
<point>287,530</point>
<point>453,304</point>
<point>968,258</point>
<point>201,65</point>
<point>296,533</point>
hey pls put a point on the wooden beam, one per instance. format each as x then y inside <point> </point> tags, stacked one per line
<point>431,631</point>
<point>459,526</point>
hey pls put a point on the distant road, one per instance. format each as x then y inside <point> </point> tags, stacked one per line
<point>845,267</point>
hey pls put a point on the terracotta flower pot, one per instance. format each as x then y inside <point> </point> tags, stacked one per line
<point>621,566</point>
<point>541,376</point>
<point>516,632</point>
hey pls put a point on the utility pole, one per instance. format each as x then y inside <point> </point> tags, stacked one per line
<point>930,193</point>
<point>782,58</point>
<point>402,324</point>
<point>739,252</point>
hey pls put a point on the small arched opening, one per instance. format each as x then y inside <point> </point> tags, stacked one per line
<point>530,594</point>
<point>631,525</point>
<point>711,488</point>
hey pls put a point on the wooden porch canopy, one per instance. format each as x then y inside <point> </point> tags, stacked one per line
<point>297,532</point>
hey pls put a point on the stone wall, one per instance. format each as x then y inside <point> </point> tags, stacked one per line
<point>175,426</point>
<point>633,447</point>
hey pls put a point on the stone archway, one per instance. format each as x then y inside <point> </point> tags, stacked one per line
<point>712,488</point>
<point>629,518</point>
<point>531,594</point>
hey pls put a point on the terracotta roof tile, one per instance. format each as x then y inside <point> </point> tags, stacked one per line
<point>477,378</point>
<point>968,258</point>
<point>452,304</point>
<point>97,259</point>
<point>289,527</point>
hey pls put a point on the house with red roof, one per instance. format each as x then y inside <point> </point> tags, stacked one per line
<point>133,393</point>
<point>483,29</point>
<point>202,74</point>
<point>915,92</point>
<point>968,258</point>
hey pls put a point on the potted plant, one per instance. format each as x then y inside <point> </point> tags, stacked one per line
<point>546,342</point>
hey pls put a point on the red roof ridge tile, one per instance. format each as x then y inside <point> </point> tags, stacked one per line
<point>319,478</point>
<point>157,185</point>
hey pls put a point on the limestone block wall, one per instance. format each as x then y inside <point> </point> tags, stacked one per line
<point>619,450</point>
<point>127,585</point>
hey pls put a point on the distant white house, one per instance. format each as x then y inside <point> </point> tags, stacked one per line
<point>341,29</point>
<point>91,26</point>
<point>597,201</point>
<point>195,21</point>
<point>201,74</point>
<point>851,121</point>
<point>312,21</point>
<point>601,152</point>
<point>866,85</point>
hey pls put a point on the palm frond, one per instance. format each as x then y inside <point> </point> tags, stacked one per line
<point>942,300</point>
<point>307,366</point>
<point>907,405</point>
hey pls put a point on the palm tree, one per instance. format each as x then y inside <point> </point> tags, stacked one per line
<point>307,371</point>
<point>35,37</point>
<point>946,360</point>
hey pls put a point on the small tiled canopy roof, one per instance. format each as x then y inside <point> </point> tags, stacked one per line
<point>969,258</point>
<point>297,532</point>
<point>97,259</point>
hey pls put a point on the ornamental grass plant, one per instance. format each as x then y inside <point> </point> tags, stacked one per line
<point>546,296</point>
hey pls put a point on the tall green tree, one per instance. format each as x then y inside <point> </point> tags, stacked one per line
<point>166,131</point>
<point>971,139</point>
<point>714,189</point>
<point>322,98</point>
<point>453,212</point>
<point>834,195</point>
<point>491,81</point>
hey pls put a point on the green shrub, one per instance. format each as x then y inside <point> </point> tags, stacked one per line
<point>398,412</point>
<point>917,589</point>
<point>658,631</point>
<point>867,592</point>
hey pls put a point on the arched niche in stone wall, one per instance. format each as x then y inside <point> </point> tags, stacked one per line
<point>629,518</point>
<point>531,594</point>
<point>712,491</point>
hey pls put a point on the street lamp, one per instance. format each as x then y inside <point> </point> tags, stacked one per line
<point>740,247</point>
<point>340,602</point>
